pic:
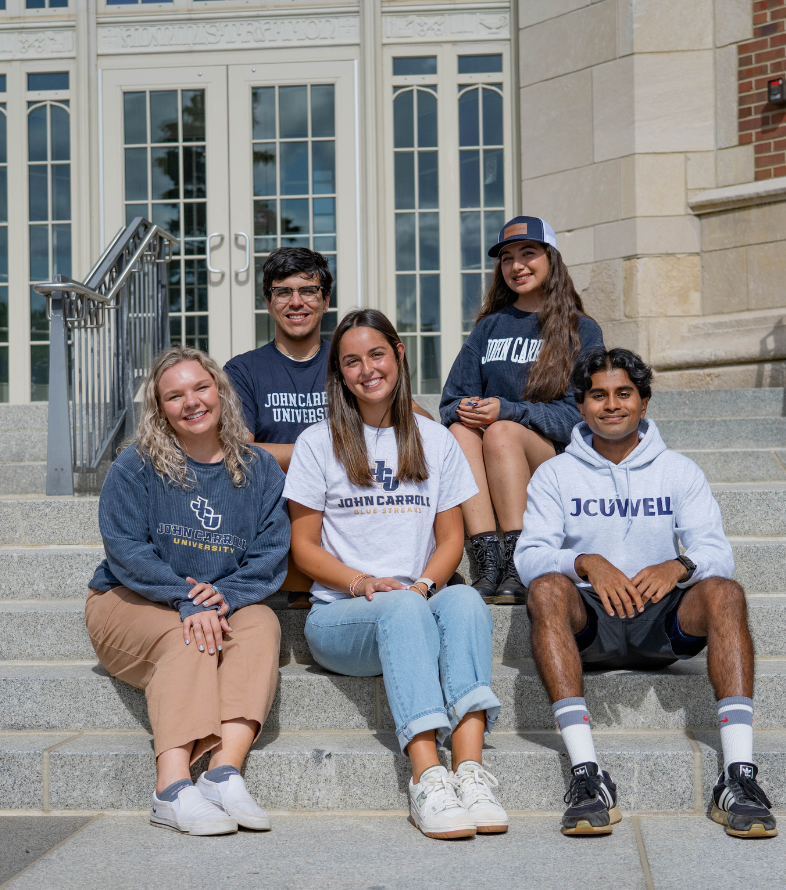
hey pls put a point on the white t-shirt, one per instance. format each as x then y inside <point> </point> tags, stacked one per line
<point>386,530</point>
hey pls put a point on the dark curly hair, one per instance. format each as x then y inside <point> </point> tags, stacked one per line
<point>286,261</point>
<point>599,359</point>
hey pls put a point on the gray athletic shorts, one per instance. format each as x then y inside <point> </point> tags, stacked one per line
<point>651,639</point>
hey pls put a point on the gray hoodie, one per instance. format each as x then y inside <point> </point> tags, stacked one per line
<point>632,513</point>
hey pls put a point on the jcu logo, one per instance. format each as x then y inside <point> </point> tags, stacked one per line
<point>384,477</point>
<point>205,514</point>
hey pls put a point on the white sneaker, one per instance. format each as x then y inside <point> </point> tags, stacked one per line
<point>233,798</point>
<point>434,807</point>
<point>191,814</point>
<point>473,788</point>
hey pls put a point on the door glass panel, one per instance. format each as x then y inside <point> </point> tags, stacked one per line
<point>165,181</point>
<point>417,232</point>
<point>294,157</point>
<point>481,190</point>
<point>49,232</point>
<point>3,260</point>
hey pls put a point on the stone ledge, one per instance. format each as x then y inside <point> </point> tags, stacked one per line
<point>733,197</point>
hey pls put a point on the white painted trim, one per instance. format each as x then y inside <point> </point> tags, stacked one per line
<point>733,197</point>
<point>357,184</point>
<point>101,220</point>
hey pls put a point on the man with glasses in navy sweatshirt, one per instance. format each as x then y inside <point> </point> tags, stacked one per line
<point>608,588</point>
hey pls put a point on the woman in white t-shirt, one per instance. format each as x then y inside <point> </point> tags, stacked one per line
<point>374,497</point>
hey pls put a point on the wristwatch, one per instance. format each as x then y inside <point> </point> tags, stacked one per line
<point>689,565</point>
<point>430,585</point>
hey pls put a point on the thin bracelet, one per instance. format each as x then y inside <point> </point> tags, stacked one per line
<point>355,581</point>
<point>414,586</point>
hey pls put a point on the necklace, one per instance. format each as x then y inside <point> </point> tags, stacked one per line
<point>296,358</point>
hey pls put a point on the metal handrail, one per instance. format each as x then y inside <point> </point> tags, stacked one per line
<point>104,335</point>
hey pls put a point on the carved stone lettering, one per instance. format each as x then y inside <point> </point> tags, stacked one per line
<point>184,36</point>
<point>453,25</point>
<point>37,44</point>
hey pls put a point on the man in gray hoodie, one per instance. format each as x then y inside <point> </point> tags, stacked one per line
<point>609,590</point>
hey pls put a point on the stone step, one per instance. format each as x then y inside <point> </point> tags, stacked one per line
<point>62,571</point>
<point>749,509</point>
<point>690,404</point>
<point>26,445</point>
<point>752,509</point>
<point>23,478</point>
<point>363,770</point>
<point>47,572</point>
<point>81,696</point>
<point>55,630</point>
<point>727,432</point>
<point>737,465</point>
<point>15,418</point>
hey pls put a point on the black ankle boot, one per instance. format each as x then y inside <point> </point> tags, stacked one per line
<point>511,592</point>
<point>488,557</point>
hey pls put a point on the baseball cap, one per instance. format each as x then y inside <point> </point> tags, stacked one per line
<point>524,228</point>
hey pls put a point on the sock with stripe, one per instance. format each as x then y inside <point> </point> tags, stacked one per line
<point>735,719</point>
<point>573,723</point>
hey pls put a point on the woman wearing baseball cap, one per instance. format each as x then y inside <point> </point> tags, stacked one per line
<point>507,399</point>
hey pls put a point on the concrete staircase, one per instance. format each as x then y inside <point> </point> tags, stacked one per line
<point>72,738</point>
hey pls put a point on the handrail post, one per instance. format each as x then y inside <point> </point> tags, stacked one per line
<point>59,462</point>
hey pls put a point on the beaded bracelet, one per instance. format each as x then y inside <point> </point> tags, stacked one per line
<point>355,581</point>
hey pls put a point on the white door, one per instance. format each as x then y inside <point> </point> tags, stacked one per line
<point>235,161</point>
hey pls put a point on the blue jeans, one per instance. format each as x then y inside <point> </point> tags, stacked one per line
<point>434,656</point>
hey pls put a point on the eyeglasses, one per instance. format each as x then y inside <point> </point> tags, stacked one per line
<point>308,294</point>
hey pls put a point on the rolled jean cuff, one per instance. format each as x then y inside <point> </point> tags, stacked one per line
<point>479,698</point>
<point>432,720</point>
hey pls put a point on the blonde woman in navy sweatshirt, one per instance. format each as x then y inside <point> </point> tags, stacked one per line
<point>507,399</point>
<point>196,536</point>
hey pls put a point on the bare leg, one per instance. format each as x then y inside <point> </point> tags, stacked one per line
<point>557,613</point>
<point>173,765</point>
<point>237,736</point>
<point>467,738</point>
<point>715,608</point>
<point>478,511</point>
<point>422,752</point>
<point>511,455</point>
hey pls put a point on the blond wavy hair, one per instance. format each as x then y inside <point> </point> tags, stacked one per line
<point>157,442</point>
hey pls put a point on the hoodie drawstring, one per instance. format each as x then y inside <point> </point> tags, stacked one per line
<point>629,522</point>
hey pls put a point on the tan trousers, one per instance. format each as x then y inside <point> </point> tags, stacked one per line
<point>189,693</point>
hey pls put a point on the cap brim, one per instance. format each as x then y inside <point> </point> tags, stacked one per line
<point>496,248</point>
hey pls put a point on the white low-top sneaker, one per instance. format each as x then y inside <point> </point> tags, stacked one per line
<point>473,789</point>
<point>233,798</point>
<point>434,807</point>
<point>190,814</point>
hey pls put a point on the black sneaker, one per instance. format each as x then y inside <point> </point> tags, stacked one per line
<point>511,592</point>
<point>592,802</point>
<point>488,558</point>
<point>740,805</point>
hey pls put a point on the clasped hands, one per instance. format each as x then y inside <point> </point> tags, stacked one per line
<point>628,595</point>
<point>476,412</point>
<point>209,626</point>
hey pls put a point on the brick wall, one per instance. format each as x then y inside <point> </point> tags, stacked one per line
<point>760,59</point>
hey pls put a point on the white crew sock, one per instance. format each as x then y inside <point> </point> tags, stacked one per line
<point>573,724</point>
<point>735,719</point>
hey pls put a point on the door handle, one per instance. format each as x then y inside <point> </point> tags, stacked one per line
<point>207,251</point>
<point>248,253</point>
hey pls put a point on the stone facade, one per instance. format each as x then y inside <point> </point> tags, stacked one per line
<point>630,144</point>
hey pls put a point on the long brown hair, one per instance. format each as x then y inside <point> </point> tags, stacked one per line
<point>549,377</point>
<point>346,423</point>
<point>157,442</point>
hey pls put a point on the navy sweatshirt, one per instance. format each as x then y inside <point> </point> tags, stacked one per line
<point>281,397</point>
<point>496,361</point>
<point>157,534</point>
